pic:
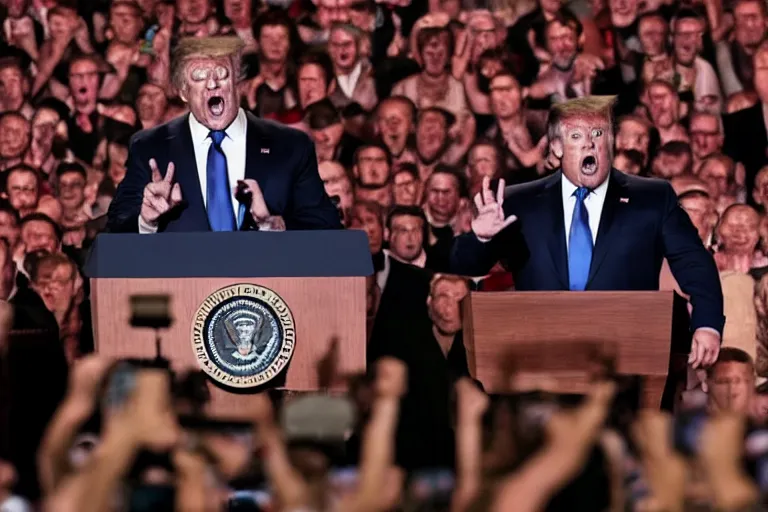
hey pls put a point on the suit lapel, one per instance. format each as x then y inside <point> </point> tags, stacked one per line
<point>616,200</point>
<point>182,153</point>
<point>552,202</point>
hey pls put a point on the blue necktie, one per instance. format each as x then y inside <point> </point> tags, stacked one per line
<point>579,243</point>
<point>220,214</point>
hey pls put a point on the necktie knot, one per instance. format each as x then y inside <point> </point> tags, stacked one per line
<point>217,136</point>
<point>581,193</point>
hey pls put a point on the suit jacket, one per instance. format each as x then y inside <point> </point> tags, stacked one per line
<point>281,159</point>
<point>747,146</point>
<point>641,224</point>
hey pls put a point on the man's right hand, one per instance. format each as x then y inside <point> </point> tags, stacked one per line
<point>489,220</point>
<point>160,195</point>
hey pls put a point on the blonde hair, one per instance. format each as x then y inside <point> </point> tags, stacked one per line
<point>597,106</point>
<point>204,47</point>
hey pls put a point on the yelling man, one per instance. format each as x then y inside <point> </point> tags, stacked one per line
<point>603,220</point>
<point>218,168</point>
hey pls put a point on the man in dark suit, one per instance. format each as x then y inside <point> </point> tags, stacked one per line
<point>590,227</point>
<point>225,170</point>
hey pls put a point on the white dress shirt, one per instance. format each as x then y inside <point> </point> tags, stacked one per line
<point>593,202</point>
<point>234,147</point>
<point>347,83</point>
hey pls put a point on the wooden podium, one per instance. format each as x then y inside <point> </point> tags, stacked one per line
<point>320,276</point>
<point>554,336</point>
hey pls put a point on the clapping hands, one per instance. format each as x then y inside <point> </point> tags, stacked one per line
<point>490,219</point>
<point>160,195</point>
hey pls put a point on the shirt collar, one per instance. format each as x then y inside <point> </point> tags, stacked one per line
<point>569,188</point>
<point>235,130</point>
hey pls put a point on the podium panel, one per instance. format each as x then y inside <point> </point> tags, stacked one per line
<point>554,336</point>
<point>306,270</point>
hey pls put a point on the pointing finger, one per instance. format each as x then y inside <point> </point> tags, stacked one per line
<point>487,194</point>
<point>509,220</point>
<point>155,171</point>
<point>169,172</point>
<point>478,200</point>
<point>500,192</point>
<point>176,194</point>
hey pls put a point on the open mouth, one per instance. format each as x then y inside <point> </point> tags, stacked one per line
<point>82,90</point>
<point>589,165</point>
<point>216,105</point>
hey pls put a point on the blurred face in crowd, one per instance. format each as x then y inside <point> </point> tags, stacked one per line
<point>39,235</point>
<point>13,88</point>
<point>701,211</point>
<point>759,412</point>
<point>342,48</point>
<point>505,97</point>
<point>585,148</point>
<point>56,286</point>
<point>406,189</point>
<point>718,177</point>
<point>731,387</point>
<point>749,24</point>
<point>761,74</point>
<point>687,40</point>
<point>625,164</point>
<point>17,8</point>
<point>14,136</point>
<point>652,32</point>
<point>667,165</point>
<point>664,106</point>
<point>434,55</point>
<point>372,166</point>
<point>379,195</point>
<point>550,6</point>
<point>193,11</point>
<point>395,124</point>
<point>332,11</point>
<point>562,43</point>
<point>444,304</point>
<point>760,192</point>
<point>332,174</point>
<point>9,228</point>
<point>365,219</point>
<point>406,237</point>
<point>84,83</point>
<point>274,43</point>
<point>706,138</point>
<point>312,84</point>
<point>44,128</point>
<point>431,136</point>
<point>328,138</point>
<point>126,23</point>
<point>483,161</point>
<point>483,28</point>
<point>442,197</point>
<point>72,190</point>
<point>623,12</point>
<point>738,230</point>
<point>22,189</point>
<point>239,11</point>
<point>59,23</point>
<point>152,104</point>
<point>635,135</point>
<point>210,91</point>
<point>118,155</point>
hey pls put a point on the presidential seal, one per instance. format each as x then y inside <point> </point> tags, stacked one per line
<point>243,335</point>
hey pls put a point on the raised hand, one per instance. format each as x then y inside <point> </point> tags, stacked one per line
<point>160,195</point>
<point>490,220</point>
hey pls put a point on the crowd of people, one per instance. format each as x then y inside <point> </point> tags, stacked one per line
<point>412,105</point>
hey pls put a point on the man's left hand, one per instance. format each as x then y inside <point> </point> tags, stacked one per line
<point>705,348</point>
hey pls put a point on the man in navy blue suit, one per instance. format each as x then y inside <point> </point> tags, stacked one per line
<point>224,170</point>
<point>591,227</point>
